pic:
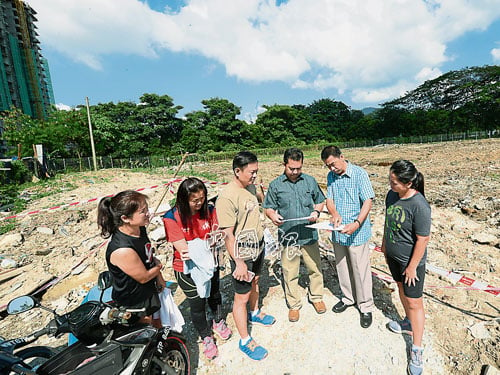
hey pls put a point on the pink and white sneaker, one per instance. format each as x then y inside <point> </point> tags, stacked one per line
<point>221,329</point>
<point>210,348</point>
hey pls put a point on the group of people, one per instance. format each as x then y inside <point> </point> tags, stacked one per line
<point>293,202</point>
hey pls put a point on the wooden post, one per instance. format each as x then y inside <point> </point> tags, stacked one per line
<point>91,135</point>
<point>35,161</point>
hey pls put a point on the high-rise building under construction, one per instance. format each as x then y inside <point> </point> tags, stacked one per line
<point>24,74</point>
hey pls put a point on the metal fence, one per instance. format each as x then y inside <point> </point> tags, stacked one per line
<point>157,161</point>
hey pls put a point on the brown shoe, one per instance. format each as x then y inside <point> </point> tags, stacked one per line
<point>293,315</point>
<point>319,307</point>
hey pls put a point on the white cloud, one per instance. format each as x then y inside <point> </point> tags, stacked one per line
<point>427,73</point>
<point>88,30</point>
<point>63,107</point>
<point>379,95</point>
<point>364,48</point>
<point>495,53</point>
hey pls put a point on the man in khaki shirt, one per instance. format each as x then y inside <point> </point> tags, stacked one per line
<point>239,217</point>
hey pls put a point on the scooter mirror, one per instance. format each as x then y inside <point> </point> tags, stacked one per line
<point>105,280</point>
<point>20,304</point>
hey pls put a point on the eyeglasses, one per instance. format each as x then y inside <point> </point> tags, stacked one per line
<point>331,165</point>
<point>294,169</point>
<point>197,200</point>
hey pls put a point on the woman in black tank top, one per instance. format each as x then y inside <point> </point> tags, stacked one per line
<point>136,272</point>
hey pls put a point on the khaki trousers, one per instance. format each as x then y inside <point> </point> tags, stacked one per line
<point>290,263</point>
<point>355,276</point>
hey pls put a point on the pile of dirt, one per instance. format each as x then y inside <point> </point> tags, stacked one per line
<point>462,327</point>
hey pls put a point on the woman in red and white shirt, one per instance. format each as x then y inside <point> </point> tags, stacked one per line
<point>192,218</point>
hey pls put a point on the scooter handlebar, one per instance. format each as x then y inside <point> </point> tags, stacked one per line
<point>44,331</point>
<point>114,314</point>
<point>120,315</point>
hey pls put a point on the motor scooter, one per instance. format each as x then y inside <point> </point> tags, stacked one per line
<point>30,357</point>
<point>108,341</point>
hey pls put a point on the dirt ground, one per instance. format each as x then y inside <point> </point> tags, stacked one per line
<point>462,182</point>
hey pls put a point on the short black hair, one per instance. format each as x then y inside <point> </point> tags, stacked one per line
<point>294,154</point>
<point>243,158</point>
<point>330,151</point>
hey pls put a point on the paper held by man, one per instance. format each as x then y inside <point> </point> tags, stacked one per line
<point>325,225</point>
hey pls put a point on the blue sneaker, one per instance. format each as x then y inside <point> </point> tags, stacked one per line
<point>416,364</point>
<point>264,320</point>
<point>253,351</point>
<point>402,326</point>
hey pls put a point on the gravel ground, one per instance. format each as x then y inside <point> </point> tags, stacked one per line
<point>462,332</point>
<point>329,343</point>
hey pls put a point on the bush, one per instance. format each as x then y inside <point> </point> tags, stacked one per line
<point>19,173</point>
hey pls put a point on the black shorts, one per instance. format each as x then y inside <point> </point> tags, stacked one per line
<point>243,287</point>
<point>411,291</point>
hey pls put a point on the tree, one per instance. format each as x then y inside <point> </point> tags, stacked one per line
<point>67,133</point>
<point>329,118</point>
<point>63,134</point>
<point>19,129</point>
<point>280,125</point>
<point>216,128</point>
<point>145,128</point>
<point>159,113</point>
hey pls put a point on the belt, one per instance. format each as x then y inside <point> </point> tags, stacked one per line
<point>250,244</point>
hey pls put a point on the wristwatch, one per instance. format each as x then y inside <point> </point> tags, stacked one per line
<point>319,213</point>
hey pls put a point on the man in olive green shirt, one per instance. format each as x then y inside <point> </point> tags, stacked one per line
<point>295,195</point>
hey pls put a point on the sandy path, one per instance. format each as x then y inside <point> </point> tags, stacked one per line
<point>329,343</point>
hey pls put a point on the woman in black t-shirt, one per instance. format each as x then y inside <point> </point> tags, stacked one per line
<point>406,234</point>
<point>136,272</point>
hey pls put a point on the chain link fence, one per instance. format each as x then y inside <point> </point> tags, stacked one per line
<point>158,161</point>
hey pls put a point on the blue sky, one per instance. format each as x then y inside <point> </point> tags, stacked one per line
<point>257,52</point>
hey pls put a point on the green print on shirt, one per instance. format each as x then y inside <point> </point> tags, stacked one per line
<point>396,216</point>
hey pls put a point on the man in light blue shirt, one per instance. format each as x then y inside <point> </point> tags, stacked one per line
<point>349,201</point>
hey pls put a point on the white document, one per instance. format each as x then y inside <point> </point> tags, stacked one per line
<point>297,218</point>
<point>325,225</point>
<point>270,243</point>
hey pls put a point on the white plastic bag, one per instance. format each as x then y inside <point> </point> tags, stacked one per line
<point>170,314</point>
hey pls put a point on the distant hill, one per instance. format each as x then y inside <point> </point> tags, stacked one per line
<point>368,110</point>
<point>478,86</point>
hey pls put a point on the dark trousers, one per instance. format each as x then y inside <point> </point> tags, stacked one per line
<point>198,305</point>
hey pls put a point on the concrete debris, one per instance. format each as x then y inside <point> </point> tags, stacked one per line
<point>11,240</point>
<point>484,238</point>
<point>91,243</point>
<point>63,231</point>
<point>45,230</point>
<point>479,331</point>
<point>8,263</point>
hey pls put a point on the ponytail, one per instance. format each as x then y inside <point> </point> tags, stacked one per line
<point>418,183</point>
<point>105,217</point>
<point>111,209</point>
